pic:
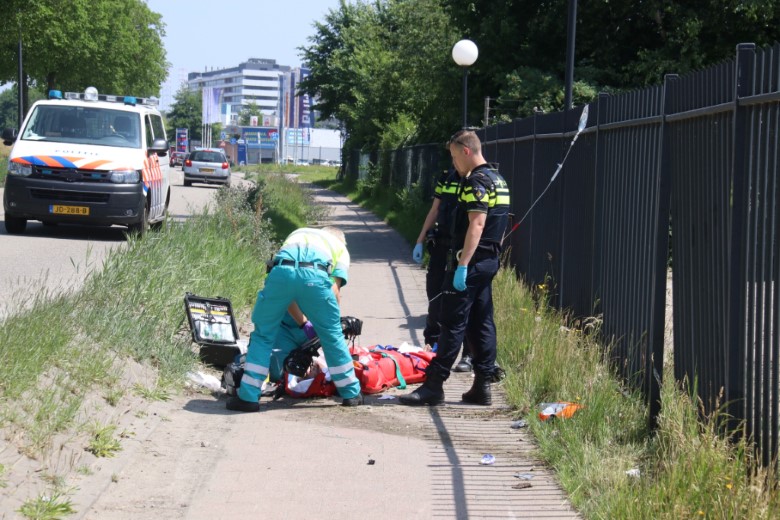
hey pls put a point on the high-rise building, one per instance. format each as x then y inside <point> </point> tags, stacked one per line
<point>256,80</point>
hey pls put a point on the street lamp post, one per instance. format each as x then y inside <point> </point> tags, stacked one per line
<point>465,53</point>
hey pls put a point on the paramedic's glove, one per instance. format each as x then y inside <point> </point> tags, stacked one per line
<point>417,253</point>
<point>459,282</point>
<point>308,329</point>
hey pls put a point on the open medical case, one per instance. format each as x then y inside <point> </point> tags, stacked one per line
<point>213,327</point>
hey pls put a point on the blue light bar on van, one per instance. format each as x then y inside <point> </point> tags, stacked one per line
<point>127,100</point>
<point>55,94</point>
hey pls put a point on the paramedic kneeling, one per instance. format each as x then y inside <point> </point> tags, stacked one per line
<point>309,270</point>
<point>478,226</point>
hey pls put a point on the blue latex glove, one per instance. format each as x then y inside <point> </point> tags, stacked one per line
<point>308,329</point>
<point>417,253</point>
<point>459,282</point>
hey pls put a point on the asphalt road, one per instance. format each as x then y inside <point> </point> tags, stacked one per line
<point>56,259</point>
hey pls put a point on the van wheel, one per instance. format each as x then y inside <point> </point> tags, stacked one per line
<point>140,228</point>
<point>15,225</point>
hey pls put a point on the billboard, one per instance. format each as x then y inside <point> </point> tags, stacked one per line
<point>182,140</point>
<point>262,138</point>
<point>297,136</point>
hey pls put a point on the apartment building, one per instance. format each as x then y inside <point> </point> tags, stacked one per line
<point>256,80</point>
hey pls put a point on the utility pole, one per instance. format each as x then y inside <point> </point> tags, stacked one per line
<point>570,35</point>
<point>20,82</point>
<point>487,111</point>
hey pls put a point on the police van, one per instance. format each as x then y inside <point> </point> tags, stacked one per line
<point>88,158</point>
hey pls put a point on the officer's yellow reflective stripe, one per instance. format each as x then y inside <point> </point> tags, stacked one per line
<point>501,200</point>
<point>452,188</point>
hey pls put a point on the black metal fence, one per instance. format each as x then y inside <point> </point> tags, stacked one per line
<point>698,156</point>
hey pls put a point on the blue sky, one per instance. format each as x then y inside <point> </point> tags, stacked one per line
<point>203,34</point>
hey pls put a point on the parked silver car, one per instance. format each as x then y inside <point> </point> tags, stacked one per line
<point>208,165</point>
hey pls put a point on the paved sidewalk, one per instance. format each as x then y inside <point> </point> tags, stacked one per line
<point>314,458</point>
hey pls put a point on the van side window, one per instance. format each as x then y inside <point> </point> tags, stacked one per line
<point>149,135</point>
<point>157,125</point>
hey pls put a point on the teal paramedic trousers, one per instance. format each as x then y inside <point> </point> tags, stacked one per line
<point>289,337</point>
<point>310,288</point>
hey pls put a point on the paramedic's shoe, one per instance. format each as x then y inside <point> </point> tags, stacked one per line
<point>480,391</point>
<point>430,392</point>
<point>353,401</point>
<point>464,365</point>
<point>239,405</point>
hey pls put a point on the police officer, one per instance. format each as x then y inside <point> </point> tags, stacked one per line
<point>467,300</point>
<point>309,271</point>
<point>435,234</point>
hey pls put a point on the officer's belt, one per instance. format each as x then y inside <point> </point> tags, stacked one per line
<point>478,256</point>
<point>305,265</point>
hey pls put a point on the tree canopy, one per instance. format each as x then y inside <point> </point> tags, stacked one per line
<point>384,67</point>
<point>113,45</point>
<point>186,112</point>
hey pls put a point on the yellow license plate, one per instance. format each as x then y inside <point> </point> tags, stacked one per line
<point>207,170</point>
<point>69,210</point>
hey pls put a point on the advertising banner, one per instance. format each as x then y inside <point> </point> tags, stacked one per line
<point>182,140</point>
<point>304,104</point>
<point>211,105</point>
<point>262,138</point>
<point>296,136</point>
<point>241,151</point>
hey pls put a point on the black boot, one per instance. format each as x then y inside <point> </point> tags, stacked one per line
<point>479,392</point>
<point>464,365</point>
<point>431,392</point>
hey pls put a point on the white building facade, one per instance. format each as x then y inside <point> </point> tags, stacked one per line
<point>256,80</point>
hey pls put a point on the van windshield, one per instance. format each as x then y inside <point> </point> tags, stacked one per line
<point>84,125</point>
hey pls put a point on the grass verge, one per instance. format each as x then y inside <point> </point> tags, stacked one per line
<point>63,362</point>
<point>605,457</point>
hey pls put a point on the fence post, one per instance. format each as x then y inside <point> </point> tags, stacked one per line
<point>598,205</point>
<point>735,360</point>
<point>655,364</point>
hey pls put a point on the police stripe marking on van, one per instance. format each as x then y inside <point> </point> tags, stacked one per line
<point>76,163</point>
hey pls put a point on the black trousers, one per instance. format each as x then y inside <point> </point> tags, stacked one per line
<point>434,282</point>
<point>469,314</point>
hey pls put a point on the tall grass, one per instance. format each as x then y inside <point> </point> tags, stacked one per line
<point>286,204</point>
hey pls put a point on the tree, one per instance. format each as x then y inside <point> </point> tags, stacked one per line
<point>9,106</point>
<point>186,112</point>
<point>246,113</point>
<point>620,44</point>
<point>384,70</point>
<point>113,45</point>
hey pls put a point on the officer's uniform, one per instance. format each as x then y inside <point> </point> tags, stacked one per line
<point>439,243</point>
<point>471,311</point>
<point>303,272</point>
